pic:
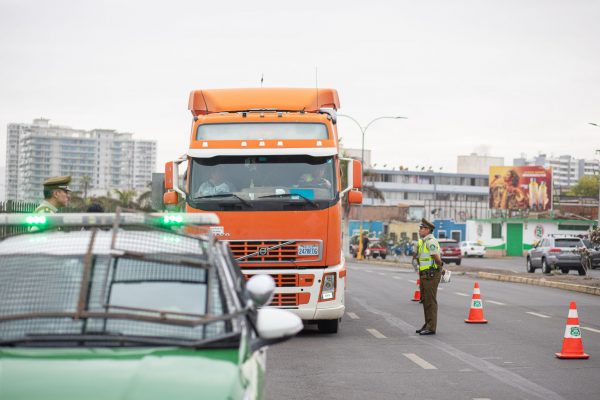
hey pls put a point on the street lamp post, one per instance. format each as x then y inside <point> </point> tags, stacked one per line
<point>598,152</point>
<point>363,130</point>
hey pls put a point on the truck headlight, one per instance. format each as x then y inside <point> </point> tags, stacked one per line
<point>328,287</point>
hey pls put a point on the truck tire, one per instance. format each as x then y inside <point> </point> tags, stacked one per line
<point>383,256</point>
<point>545,267</point>
<point>581,271</point>
<point>564,270</point>
<point>458,262</point>
<point>328,325</point>
<point>530,267</point>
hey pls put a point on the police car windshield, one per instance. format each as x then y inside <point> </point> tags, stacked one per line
<point>262,180</point>
<point>160,298</point>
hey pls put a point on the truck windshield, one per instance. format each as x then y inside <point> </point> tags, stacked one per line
<point>262,182</point>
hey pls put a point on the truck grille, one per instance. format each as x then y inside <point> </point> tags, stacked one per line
<point>290,280</point>
<point>273,251</point>
<point>290,299</point>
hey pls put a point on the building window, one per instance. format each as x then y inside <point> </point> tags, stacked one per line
<point>496,231</point>
<point>441,234</point>
<point>415,236</point>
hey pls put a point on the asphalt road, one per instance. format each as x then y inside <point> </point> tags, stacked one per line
<point>377,355</point>
<point>514,264</point>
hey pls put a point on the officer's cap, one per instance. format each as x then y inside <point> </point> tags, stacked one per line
<point>57,182</point>
<point>427,224</point>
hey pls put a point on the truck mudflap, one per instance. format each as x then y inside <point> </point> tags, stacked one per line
<point>300,291</point>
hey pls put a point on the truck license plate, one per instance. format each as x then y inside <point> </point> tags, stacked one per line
<point>308,250</point>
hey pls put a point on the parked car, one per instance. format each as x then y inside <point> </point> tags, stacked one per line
<point>558,252</point>
<point>475,249</point>
<point>450,250</point>
<point>131,313</point>
<point>594,250</point>
<point>377,249</point>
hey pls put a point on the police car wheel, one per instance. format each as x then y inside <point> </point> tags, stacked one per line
<point>545,266</point>
<point>530,267</point>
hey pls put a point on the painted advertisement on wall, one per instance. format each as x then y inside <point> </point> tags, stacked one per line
<point>527,187</point>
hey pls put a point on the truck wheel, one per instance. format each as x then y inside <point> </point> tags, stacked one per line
<point>328,325</point>
<point>545,266</point>
<point>383,256</point>
<point>375,256</point>
<point>564,270</point>
<point>581,271</point>
<point>530,268</point>
<point>458,262</point>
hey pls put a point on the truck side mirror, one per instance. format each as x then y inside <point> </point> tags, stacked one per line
<point>170,199</point>
<point>356,174</point>
<point>355,197</point>
<point>168,176</point>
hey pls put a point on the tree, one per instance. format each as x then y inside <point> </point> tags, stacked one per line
<point>126,198</point>
<point>587,186</point>
<point>85,181</point>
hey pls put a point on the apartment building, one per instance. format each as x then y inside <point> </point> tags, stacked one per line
<point>99,160</point>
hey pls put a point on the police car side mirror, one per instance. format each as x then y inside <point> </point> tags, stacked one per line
<point>261,289</point>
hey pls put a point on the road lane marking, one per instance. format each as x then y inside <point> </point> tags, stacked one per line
<point>498,372</point>
<point>495,302</point>
<point>461,294</point>
<point>397,277</point>
<point>418,360</point>
<point>411,281</point>
<point>381,273</point>
<point>367,270</point>
<point>440,288</point>
<point>481,398</point>
<point>352,315</point>
<point>590,329</point>
<point>537,315</point>
<point>376,333</point>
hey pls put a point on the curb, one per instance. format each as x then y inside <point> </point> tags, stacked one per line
<point>515,279</point>
<point>541,282</point>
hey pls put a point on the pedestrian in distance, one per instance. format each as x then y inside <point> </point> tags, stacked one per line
<point>56,194</point>
<point>430,264</point>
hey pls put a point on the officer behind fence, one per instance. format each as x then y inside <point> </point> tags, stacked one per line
<point>430,265</point>
<point>56,194</point>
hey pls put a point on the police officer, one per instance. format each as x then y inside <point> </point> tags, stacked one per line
<point>429,263</point>
<point>56,194</point>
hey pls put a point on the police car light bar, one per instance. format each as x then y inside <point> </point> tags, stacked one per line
<point>108,219</point>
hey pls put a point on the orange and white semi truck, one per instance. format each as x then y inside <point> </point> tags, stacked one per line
<point>267,162</point>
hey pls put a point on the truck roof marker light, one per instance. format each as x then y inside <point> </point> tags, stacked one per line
<point>262,115</point>
<point>319,143</point>
<point>280,143</point>
<point>261,144</point>
<point>205,144</point>
<point>244,144</point>
<point>279,114</point>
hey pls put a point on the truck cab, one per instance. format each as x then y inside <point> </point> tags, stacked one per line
<point>267,162</point>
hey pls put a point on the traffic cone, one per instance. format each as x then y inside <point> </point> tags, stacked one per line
<point>476,311</point>
<point>417,295</point>
<point>572,344</point>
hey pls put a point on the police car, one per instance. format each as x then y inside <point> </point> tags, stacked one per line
<point>116,307</point>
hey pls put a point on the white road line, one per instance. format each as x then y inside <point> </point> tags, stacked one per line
<point>367,270</point>
<point>397,277</point>
<point>537,315</point>
<point>418,360</point>
<point>461,294</point>
<point>480,398</point>
<point>376,333</point>
<point>590,329</point>
<point>440,288</point>
<point>381,273</point>
<point>495,302</point>
<point>411,281</point>
<point>352,315</point>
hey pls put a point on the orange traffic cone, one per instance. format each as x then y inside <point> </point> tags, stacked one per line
<point>476,311</point>
<point>572,344</point>
<point>417,295</point>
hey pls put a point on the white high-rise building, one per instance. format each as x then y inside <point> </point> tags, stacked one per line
<point>100,159</point>
<point>566,170</point>
<point>477,164</point>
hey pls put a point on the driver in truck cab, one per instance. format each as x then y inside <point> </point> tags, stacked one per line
<point>216,184</point>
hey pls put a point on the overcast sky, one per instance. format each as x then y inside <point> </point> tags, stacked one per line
<point>499,77</point>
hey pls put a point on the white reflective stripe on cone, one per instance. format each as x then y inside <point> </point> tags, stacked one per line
<point>573,313</point>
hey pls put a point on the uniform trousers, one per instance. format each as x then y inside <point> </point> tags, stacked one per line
<point>428,286</point>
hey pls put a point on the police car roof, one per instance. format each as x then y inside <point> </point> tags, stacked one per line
<point>58,243</point>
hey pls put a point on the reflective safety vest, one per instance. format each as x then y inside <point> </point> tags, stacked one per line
<point>425,259</point>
